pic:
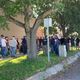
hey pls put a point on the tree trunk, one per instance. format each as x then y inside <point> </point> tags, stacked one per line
<point>31,36</point>
<point>65,33</point>
<point>63,30</point>
<point>31,45</point>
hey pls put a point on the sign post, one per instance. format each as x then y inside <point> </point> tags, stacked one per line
<point>47,24</point>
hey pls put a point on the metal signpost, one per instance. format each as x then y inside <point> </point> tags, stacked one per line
<point>47,24</point>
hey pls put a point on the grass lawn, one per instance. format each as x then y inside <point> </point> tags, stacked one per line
<point>21,68</point>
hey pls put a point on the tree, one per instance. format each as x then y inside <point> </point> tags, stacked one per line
<point>67,16</point>
<point>29,8</point>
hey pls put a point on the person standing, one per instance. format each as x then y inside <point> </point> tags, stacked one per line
<point>52,43</point>
<point>72,42</point>
<point>24,45</point>
<point>0,42</point>
<point>56,45</point>
<point>3,46</point>
<point>13,46</point>
<point>77,42</point>
<point>7,45</point>
<point>40,42</point>
<point>18,45</point>
<point>45,45</point>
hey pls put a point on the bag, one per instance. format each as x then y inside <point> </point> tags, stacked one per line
<point>62,51</point>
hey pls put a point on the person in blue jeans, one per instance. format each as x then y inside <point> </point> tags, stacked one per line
<point>3,51</point>
<point>13,46</point>
<point>13,51</point>
<point>0,42</point>
<point>3,47</point>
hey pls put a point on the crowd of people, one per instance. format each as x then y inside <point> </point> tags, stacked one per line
<point>55,42</point>
<point>11,45</point>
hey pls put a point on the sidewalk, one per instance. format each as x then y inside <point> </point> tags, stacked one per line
<point>55,69</point>
<point>72,72</point>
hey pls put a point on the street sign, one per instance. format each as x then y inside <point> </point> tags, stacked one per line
<point>47,22</point>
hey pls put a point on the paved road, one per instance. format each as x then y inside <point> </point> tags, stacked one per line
<point>71,73</point>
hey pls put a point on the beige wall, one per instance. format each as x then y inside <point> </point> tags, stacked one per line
<point>14,30</point>
<point>17,31</point>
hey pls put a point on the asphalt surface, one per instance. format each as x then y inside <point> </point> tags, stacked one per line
<point>70,73</point>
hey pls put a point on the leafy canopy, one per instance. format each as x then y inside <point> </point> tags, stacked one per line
<point>68,15</point>
<point>14,7</point>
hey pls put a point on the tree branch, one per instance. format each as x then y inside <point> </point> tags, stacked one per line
<point>40,19</point>
<point>11,19</point>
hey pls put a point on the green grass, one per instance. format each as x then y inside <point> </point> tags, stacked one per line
<point>21,68</point>
<point>73,50</point>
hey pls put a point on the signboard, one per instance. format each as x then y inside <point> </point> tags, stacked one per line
<point>47,22</point>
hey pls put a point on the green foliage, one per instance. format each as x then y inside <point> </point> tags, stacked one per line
<point>11,7</point>
<point>52,30</point>
<point>15,7</point>
<point>3,22</point>
<point>67,11</point>
<point>68,15</point>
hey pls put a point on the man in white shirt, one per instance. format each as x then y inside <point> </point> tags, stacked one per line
<point>13,46</point>
<point>0,42</point>
<point>3,46</point>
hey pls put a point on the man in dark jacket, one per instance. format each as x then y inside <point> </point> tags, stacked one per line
<point>45,44</point>
<point>24,45</point>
